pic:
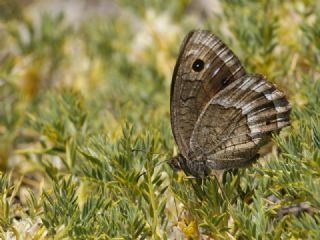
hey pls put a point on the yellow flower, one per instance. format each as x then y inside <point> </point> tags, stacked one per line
<point>50,133</point>
<point>189,230</point>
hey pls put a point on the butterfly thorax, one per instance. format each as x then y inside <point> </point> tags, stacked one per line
<point>195,167</point>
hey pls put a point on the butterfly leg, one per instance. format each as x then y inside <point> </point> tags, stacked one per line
<point>188,178</point>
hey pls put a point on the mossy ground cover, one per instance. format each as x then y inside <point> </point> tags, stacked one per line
<point>84,123</point>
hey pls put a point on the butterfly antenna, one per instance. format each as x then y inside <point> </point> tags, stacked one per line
<point>144,151</point>
<point>159,163</point>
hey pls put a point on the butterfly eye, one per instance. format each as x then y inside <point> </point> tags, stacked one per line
<point>198,65</point>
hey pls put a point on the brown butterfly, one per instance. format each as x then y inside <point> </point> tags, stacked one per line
<point>220,115</point>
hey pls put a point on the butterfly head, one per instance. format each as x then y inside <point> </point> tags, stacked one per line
<point>194,168</point>
<point>177,162</point>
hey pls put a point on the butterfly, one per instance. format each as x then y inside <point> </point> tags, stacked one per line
<point>220,114</point>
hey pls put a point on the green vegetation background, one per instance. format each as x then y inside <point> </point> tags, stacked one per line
<point>85,111</point>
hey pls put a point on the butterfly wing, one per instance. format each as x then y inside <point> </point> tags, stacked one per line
<point>204,67</point>
<point>238,121</point>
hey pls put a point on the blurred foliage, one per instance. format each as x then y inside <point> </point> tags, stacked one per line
<point>84,123</point>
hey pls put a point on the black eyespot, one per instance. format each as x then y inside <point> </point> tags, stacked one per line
<point>225,82</point>
<point>198,65</point>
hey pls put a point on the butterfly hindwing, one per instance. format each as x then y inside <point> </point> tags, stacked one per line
<point>238,120</point>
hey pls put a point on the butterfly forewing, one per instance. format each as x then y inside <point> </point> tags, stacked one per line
<point>204,67</point>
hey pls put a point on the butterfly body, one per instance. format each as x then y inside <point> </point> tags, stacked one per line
<point>220,115</point>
